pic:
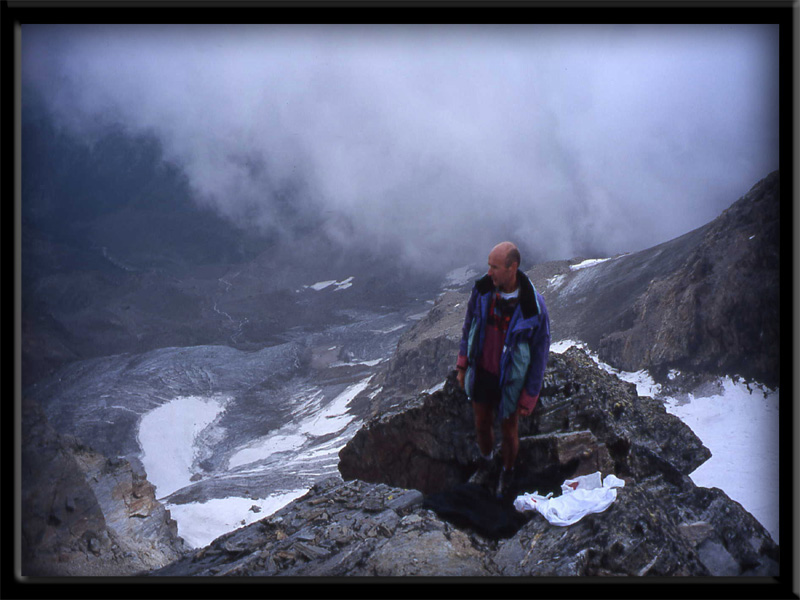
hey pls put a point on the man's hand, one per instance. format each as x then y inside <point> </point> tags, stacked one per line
<point>460,377</point>
<point>522,411</point>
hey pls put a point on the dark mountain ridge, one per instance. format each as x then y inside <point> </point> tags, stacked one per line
<point>708,301</point>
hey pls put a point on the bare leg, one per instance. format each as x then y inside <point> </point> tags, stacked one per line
<point>483,427</point>
<point>510,443</point>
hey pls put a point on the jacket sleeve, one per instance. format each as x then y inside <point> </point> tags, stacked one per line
<point>540,349</point>
<point>462,348</point>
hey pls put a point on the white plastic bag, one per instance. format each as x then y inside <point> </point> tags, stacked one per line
<point>579,497</point>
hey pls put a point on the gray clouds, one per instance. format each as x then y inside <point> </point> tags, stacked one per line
<point>440,140</point>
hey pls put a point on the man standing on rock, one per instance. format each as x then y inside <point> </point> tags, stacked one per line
<point>505,342</point>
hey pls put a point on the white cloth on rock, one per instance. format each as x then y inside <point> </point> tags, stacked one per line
<point>579,497</point>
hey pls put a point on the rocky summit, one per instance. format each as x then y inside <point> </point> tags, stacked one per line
<point>403,504</point>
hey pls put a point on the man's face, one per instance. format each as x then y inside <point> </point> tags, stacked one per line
<point>502,276</point>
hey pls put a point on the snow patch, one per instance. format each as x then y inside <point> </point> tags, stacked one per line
<point>645,385</point>
<point>339,285</point>
<point>367,363</point>
<point>264,448</point>
<point>460,276</point>
<point>334,417</point>
<point>588,263</point>
<point>293,436</point>
<point>390,330</point>
<point>435,388</point>
<point>740,427</point>
<point>200,523</point>
<point>321,285</point>
<point>168,435</point>
<point>343,285</point>
<point>556,281</point>
<point>562,346</point>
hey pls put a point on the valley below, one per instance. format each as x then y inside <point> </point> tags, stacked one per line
<point>227,435</point>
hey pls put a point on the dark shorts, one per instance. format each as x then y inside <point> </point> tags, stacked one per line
<point>487,388</point>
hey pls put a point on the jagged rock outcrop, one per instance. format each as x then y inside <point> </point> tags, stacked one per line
<point>85,514</point>
<point>353,529</point>
<point>429,444</point>
<point>587,421</point>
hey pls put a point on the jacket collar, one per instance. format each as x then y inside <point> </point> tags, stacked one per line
<point>527,293</point>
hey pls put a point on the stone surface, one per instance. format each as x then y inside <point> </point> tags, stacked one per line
<point>596,420</point>
<point>636,536</point>
<point>342,528</point>
<point>84,514</point>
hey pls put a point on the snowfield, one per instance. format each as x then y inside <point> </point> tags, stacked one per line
<point>169,435</point>
<point>200,523</point>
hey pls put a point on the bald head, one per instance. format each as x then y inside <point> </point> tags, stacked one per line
<point>507,252</point>
<point>504,261</point>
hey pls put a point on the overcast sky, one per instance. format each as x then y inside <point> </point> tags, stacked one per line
<point>571,140</point>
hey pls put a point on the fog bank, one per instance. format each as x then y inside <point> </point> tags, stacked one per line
<point>437,141</point>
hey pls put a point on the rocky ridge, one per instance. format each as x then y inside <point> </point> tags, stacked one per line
<point>420,445</point>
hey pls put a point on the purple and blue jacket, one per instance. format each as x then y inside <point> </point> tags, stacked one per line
<point>527,344</point>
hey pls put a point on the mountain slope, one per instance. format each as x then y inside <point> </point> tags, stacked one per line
<point>707,301</point>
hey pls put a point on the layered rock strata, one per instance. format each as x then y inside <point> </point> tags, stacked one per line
<point>83,514</point>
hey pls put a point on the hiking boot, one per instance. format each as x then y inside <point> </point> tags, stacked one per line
<point>504,484</point>
<point>483,474</point>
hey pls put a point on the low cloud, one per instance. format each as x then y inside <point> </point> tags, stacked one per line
<point>437,140</point>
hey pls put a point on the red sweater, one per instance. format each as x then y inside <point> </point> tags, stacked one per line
<point>500,313</point>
